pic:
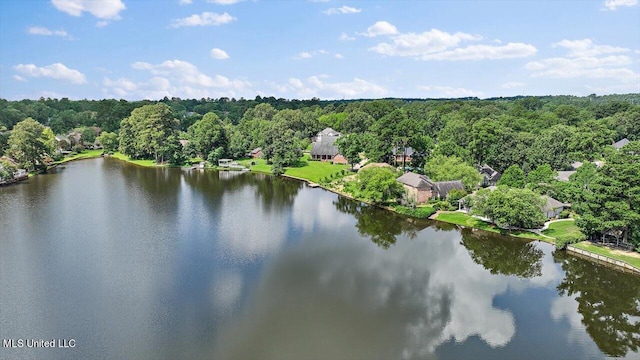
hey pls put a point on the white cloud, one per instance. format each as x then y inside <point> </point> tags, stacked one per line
<point>224,2</point>
<point>103,9</point>
<point>204,19</point>
<point>440,45</point>
<point>449,92</point>
<point>55,71</point>
<point>19,78</point>
<point>39,30</point>
<point>345,37</point>
<point>614,4</point>
<point>309,54</point>
<point>102,23</point>
<point>512,85</point>
<point>174,78</point>
<point>338,56</point>
<point>484,52</point>
<point>342,10</point>
<point>219,54</point>
<point>317,86</point>
<point>380,28</point>
<point>585,59</point>
<point>184,2</point>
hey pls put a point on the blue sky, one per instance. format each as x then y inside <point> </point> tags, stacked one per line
<point>137,49</point>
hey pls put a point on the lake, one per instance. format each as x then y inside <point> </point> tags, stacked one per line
<point>152,263</point>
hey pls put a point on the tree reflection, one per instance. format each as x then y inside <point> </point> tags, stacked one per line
<point>500,255</point>
<point>380,226</point>
<point>275,192</point>
<point>612,319</point>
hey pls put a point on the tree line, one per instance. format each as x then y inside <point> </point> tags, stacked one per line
<point>527,138</point>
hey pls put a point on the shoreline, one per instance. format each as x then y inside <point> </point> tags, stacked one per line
<point>614,261</point>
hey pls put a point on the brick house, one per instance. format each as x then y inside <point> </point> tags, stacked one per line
<point>422,189</point>
<point>326,150</point>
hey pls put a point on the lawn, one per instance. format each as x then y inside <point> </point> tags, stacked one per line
<point>147,163</point>
<point>614,254</point>
<point>466,220</point>
<point>87,154</point>
<point>303,169</point>
<point>564,230</point>
<point>314,170</point>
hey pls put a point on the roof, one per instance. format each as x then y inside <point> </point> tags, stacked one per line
<point>444,187</point>
<point>415,180</point>
<point>489,172</point>
<point>620,143</point>
<point>407,151</point>
<point>551,203</point>
<point>564,175</point>
<point>328,132</point>
<point>576,164</point>
<point>325,147</point>
<point>61,138</point>
<point>183,142</point>
<point>255,151</point>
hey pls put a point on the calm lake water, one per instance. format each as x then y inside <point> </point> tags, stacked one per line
<point>138,263</point>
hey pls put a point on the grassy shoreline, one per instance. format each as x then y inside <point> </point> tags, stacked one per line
<point>315,171</point>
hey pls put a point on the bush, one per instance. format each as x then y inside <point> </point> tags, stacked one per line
<point>562,242</point>
<point>443,205</point>
<point>564,214</point>
<point>421,212</point>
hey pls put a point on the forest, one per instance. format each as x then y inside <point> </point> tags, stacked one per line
<point>528,139</point>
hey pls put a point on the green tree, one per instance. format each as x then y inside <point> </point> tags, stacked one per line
<point>513,177</point>
<point>514,208</point>
<point>350,147</point>
<point>611,206</point>
<point>207,135</point>
<point>6,170</point>
<point>542,174</point>
<point>445,168</point>
<point>377,185</point>
<point>30,143</point>
<point>109,141</point>
<point>150,133</point>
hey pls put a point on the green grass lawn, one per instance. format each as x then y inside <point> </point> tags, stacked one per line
<point>466,220</point>
<point>585,245</point>
<point>563,230</point>
<point>314,170</point>
<point>87,154</point>
<point>304,168</point>
<point>147,163</point>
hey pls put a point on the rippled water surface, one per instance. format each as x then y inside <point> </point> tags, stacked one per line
<point>139,263</point>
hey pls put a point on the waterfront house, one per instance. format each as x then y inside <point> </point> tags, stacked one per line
<point>619,144</point>
<point>256,153</point>
<point>325,149</point>
<point>421,189</point>
<point>552,207</point>
<point>62,142</point>
<point>225,162</point>
<point>490,177</point>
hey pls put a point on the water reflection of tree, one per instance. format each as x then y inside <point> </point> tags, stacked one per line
<point>608,300</point>
<point>501,255</point>
<point>276,193</point>
<point>381,226</point>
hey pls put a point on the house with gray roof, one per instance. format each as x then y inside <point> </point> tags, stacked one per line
<point>421,189</point>
<point>326,133</point>
<point>619,144</point>
<point>552,207</point>
<point>326,150</point>
<point>490,177</point>
<point>564,175</point>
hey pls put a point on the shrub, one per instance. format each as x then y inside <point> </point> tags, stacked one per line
<point>564,214</point>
